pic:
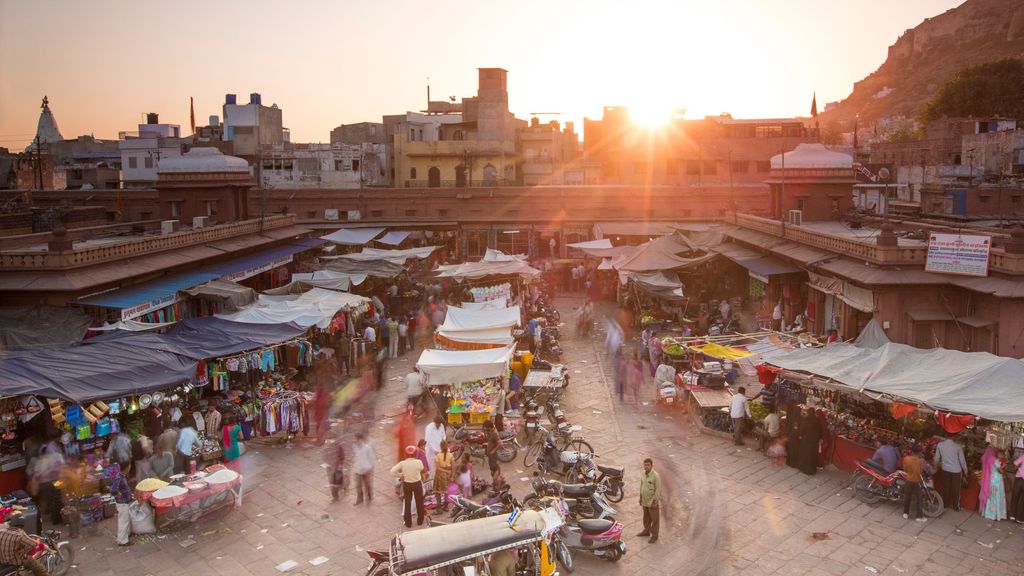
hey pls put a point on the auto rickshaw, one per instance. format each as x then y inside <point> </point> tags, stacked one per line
<point>473,547</point>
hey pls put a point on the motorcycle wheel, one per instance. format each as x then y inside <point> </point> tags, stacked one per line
<point>531,501</point>
<point>862,488</point>
<point>614,554</point>
<point>462,517</point>
<point>62,560</point>
<point>580,445</point>
<point>573,475</point>
<point>532,454</point>
<point>564,556</point>
<point>615,492</point>
<point>507,452</point>
<point>931,503</point>
<point>585,510</point>
<point>457,454</point>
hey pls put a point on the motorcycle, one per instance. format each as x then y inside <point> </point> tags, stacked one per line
<point>475,441</point>
<point>56,555</point>
<point>586,471</point>
<point>467,509</point>
<point>584,501</point>
<point>556,457</point>
<point>873,484</point>
<point>549,348</point>
<point>602,538</point>
<point>380,563</point>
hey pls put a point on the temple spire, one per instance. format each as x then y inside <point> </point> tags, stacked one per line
<point>46,130</point>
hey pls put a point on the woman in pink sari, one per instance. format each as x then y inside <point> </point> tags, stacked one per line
<point>992,492</point>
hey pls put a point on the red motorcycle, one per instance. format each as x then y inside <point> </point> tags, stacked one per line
<point>872,485</point>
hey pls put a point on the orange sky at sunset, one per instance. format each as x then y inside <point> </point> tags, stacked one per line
<point>105,63</point>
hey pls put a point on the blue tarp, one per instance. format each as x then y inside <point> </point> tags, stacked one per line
<point>208,337</point>
<point>167,286</point>
<point>86,373</point>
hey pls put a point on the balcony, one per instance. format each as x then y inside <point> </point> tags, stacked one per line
<point>37,260</point>
<point>455,184</point>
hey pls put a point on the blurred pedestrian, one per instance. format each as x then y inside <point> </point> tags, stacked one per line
<point>444,464</point>
<point>336,470</point>
<point>363,460</point>
<point>122,493</point>
<point>231,436</point>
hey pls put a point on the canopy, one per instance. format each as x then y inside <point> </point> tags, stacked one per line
<point>393,256</point>
<point>474,339</point>
<point>353,236</point>
<point>327,279</point>
<point>759,265</point>
<point>662,254</point>
<point>230,295</point>
<point>603,243</point>
<point>483,268</point>
<point>449,367</point>
<point>393,238</point>
<point>23,328</point>
<point>603,229</point>
<point>496,304</point>
<point>664,285</point>
<point>376,268</point>
<point>316,307</point>
<point>719,351</point>
<point>130,326</point>
<point>206,337</point>
<point>975,383</point>
<point>459,319</point>
<point>97,371</point>
<point>872,336</point>
<point>492,255</point>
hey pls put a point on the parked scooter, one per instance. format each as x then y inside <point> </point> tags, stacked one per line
<point>549,348</point>
<point>553,460</point>
<point>584,501</point>
<point>586,471</point>
<point>873,485</point>
<point>466,509</point>
<point>602,538</point>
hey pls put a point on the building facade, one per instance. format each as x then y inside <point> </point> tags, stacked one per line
<point>142,151</point>
<point>253,127</point>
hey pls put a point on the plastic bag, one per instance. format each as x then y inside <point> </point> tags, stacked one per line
<point>143,519</point>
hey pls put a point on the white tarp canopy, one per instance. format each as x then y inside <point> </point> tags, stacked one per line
<point>315,307</point>
<point>496,304</point>
<point>977,383</point>
<point>662,254</point>
<point>490,336</point>
<point>603,243</point>
<point>394,256</point>
<point>394,238</point>
<point>492,255</point>
<point>604,229</point>
<point>353,236</point>
<point>450,367</point>
<point>461,319</point>
<point>474,270</point>
<point>130,326</point>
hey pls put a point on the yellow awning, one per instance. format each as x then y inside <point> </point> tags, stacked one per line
<point>724,352</point>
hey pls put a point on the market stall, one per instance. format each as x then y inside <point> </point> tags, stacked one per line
<point>472,381</point>
<point>189,497</point>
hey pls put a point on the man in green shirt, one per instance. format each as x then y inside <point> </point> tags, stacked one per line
<point>650,498</point>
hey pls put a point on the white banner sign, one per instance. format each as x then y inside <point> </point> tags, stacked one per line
<point>243,274</point>
<point>958,254</point>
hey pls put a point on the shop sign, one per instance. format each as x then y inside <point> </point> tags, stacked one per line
<point>958,254</point>
<point>147,307</point>
<point>250,272</point>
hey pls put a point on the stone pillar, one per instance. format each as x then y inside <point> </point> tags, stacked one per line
<point>1016,243</point>
<point>60,241</point>
<point>887,235</point>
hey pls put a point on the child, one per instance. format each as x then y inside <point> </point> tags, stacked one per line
<point>777,451</point>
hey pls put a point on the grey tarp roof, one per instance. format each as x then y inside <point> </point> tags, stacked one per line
<point>231,295</point>
<point>664,254</point>
<point>975,383</point>
<point>25,328</point>
<point>375,268</point>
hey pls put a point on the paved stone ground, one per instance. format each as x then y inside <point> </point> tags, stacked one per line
<point>728,510</point>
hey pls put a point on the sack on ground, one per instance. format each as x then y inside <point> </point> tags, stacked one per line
<point>143,519</point>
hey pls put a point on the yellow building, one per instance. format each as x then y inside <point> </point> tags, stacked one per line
<point>455,163</point>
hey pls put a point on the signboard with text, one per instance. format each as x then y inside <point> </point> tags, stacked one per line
<point>958,254</point>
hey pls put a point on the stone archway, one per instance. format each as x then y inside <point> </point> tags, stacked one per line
<point>490,175</point>
<point>434,177</point>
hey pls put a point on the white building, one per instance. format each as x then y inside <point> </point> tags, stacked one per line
<point>253,127</point>
<point>142,151</point>
<point>323,166</point>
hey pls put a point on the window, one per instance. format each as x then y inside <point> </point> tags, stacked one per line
<point>133,162</point>
<point>355,165</point>
<point>1015,199</point>
<point>800,204</point>
<point>410,213</point>
<point>339,165</point>
<point>671,167</point>
<point>984,198</point>
<point>764,166</point>
<point>693,167</point>
<point>145,216</point>
<point>149,161</point>
<point>740,166</point>
<point>376,213</point>
<point>412,173</point>
<point>710,167</point>
<point>835,205</point>
<point>176,208</point>
<point>442,212</point>
<point>268,164</point>
<point>211,207</point>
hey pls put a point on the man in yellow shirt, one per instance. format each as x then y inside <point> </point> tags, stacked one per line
<point>650,500</point>
<point>410,471</point>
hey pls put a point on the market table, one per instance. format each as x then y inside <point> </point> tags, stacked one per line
<point>540,381</point>
<point>192,504</point>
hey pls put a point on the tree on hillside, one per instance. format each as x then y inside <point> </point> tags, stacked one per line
<point>989,89</point>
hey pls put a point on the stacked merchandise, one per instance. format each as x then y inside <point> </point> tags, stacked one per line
<point>488,293</point>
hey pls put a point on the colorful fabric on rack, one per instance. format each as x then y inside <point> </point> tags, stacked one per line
<point>202,378</point>
<point>899,410</point>
<point>953,423</point>
<point>266,361</point>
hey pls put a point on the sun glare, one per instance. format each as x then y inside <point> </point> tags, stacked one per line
<point>651,115</point>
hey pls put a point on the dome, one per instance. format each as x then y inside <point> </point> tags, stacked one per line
<point>807,156</point>
<point>203,160</point>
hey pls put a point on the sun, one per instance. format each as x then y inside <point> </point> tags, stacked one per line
<point>652,115</point>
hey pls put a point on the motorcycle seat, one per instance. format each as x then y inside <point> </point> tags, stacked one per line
<point>875,467</point>
<point>595,526</point>
<point>611,470</point>
<point>471,505</point>
<point>579,489</point>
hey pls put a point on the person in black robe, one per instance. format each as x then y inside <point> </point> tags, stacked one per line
<point>810,438</point>
<point>794,431</point>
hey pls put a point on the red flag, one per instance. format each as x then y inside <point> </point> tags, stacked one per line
<point>192,113</point>
<point>814,105</point>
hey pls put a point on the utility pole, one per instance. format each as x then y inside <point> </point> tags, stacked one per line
<point>39,162</point>
<point>732,190</point>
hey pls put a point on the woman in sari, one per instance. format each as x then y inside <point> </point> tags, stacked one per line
<point>231,433</point>
<point>810,438</point>
<point>992,493</point>
<point>794,432</point>
<point>444,466</point>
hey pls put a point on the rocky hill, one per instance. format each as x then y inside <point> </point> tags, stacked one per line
<point>924,57</point>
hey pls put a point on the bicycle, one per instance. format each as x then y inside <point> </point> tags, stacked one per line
<point>568,442</point>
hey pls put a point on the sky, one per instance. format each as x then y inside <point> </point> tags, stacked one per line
<point>104,64</point>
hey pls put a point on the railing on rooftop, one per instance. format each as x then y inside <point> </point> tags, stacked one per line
<point>28,260</point>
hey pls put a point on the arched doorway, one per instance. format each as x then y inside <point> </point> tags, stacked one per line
<point>460,176</point>
<point>490,175</point>
<point>434,177</point>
